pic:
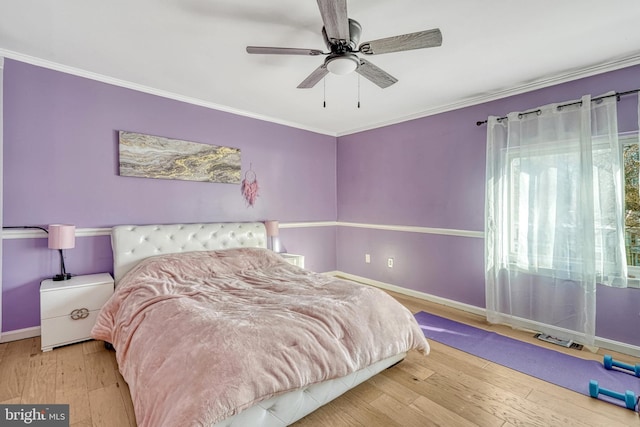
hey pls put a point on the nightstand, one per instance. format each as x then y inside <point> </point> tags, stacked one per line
<point>68,308</point>
<point>294,259</point>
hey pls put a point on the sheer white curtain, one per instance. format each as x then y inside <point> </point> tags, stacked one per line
<point>554,216</point>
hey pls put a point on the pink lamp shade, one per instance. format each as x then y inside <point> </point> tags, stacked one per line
<point>273,241</point>
<point>272,228</point>
<point>62,236</point>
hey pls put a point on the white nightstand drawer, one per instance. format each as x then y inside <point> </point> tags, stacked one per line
<point>68,308</point>
<point>61,298</point>
<point>63,303</point>
<point>64,330</point>
<point>293,259</point>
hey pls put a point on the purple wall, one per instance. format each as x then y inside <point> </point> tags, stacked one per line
<point>430,172</point>
<point>446,272</point>
<point>28,261</point>
<point>61,165</point>
<point>61,157</point>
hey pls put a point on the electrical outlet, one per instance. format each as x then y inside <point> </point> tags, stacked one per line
<point>390,262</point>
<point>367,258</point>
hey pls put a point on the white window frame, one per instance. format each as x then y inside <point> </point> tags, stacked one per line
<point>633,271</point>
<point>555,147</point>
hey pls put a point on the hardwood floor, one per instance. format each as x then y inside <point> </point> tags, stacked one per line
<point>447,388</point>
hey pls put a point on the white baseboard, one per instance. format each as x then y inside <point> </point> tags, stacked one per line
<point>603,343</point>
<point>20,334</point>
<point>620,347</point>
<point>410,292</point>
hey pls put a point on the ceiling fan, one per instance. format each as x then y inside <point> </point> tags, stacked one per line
<point>341,35</point>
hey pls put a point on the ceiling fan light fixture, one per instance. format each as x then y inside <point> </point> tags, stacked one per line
<point>342,38</point>
<point>343,64</point>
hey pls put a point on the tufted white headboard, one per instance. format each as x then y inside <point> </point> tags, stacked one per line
<point>133,243</point>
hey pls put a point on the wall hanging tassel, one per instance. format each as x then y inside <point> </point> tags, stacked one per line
<point>249,186</point>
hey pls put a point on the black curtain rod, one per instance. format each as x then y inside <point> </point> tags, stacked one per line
<point>617,95</point>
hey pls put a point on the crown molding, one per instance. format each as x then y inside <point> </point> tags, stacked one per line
<point>480,99</point>
<point>152,91</point>
<point>505,93</point>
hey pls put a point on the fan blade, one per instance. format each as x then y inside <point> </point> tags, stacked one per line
<point>283,51</point>
<point>375,74</point>
<point>335,19</point>
<point>314,77</point>
<point>419,40</point>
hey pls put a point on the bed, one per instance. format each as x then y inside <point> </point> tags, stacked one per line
<point>211,328</point>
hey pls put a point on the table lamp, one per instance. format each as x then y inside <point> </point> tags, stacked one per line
<point>273,239</point>
<point>62,236</point>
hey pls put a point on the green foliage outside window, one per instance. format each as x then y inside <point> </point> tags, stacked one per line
<point>632,202</point>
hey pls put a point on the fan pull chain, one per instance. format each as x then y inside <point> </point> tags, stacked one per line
<point>358,90</point>
<point>324,94</point>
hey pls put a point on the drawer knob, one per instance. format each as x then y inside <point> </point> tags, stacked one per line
<point>79,313</point>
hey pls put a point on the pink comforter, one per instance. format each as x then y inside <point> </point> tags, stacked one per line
<point>200,336</point>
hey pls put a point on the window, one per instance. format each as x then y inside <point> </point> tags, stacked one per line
<point>631,159</point>
<point>538,174</point>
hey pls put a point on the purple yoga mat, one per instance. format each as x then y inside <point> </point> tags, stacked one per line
<point>552,366</point>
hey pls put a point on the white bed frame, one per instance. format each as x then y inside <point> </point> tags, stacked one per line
<point>132,243</point>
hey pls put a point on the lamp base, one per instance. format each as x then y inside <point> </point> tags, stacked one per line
<point>61,277</point>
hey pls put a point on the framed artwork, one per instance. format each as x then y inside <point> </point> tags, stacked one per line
<point>148,156</point>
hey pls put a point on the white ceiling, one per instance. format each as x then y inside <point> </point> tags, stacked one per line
<point>194,50</point>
